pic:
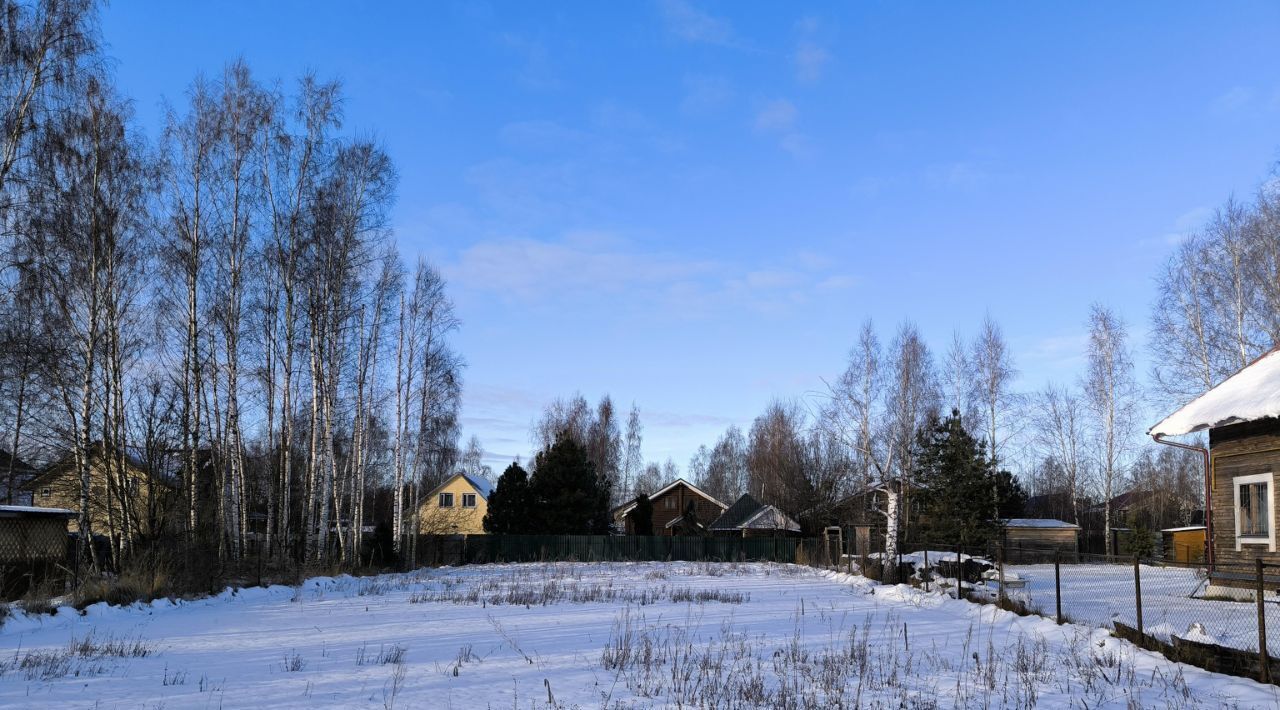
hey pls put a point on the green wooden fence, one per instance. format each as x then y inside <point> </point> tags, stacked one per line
<point>478,549</point>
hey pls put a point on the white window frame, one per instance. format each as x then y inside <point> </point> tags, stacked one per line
<point>440,500</point>
<point>1270,539</point>
<point>471,496</point>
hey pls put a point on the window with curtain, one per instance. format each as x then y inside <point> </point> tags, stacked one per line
<point>1254,513</point>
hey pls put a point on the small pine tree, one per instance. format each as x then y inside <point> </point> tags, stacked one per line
<point>1142,541</point>
<point>642,515</point>
<point>964,495</point>
<point>509,504</point>
<point>568,498</point>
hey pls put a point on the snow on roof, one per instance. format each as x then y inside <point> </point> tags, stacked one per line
<point>1252,393</point>
<point>1039,523</point>
<point>1188,528</point>
<point>33,510</point>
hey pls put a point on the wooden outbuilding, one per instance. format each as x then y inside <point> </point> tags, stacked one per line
<point>33,541</point>
<point>1185,544</point>
<point>1040,536</point>
<point>33,534</point>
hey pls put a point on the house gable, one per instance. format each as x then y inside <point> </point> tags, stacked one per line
<point>456,506</point>
<point>670,504</point>
<point>58,486</point>
<point>749,514</point>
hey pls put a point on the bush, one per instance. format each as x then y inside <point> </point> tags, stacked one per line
<point>145,578</point>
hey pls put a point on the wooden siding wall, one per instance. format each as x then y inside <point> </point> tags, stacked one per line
<point>63,491</point>
<point>1184,546</point>
<point>670,506</point>
<point>1064,539</point>
<point>1241,450</point>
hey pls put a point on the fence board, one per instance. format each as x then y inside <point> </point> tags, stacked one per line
<point>477,549</point>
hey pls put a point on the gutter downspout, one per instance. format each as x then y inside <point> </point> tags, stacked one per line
<point>1208,491</point>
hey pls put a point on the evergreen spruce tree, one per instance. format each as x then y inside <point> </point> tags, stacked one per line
<point>964,495</point>
<point>642,515</point>
<point>568,498</point>
<point>509,504</point>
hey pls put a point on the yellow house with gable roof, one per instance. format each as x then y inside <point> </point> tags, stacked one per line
<point>456,507</point>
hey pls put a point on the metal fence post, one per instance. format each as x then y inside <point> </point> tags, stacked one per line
<point>1057,584</point>
<point>959,575</point>
<point>1137,596</point>
<point>1264,658</point>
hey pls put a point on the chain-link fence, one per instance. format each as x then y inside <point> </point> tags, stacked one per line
<point>1224,617</point>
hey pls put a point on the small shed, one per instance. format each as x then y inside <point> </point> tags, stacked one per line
<point>33,534</point>
<point>1040,537</point>
<point>1185,544</point>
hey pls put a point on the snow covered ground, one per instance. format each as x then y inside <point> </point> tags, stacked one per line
<point>1099,595</point>
<point>588,635</point>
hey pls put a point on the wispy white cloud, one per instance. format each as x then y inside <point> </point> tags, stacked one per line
<point>583,262</point>
<point>1246,101</point>
<point>705,94</point>
<point>779,117</point>
<point>839,282</point>
<point>1183,225</point>
<point>1064,351</point>
<point>543,136</point>
<point>959,174</point>
<point>776,115</point>
<point>693,25</point>
<point>586,267</point>
<point>810,59</point>
<point>535,71</point>
<point>1233,100</point>
<point>810,56</point>
<point>868,186</point>
<point>797,144</point>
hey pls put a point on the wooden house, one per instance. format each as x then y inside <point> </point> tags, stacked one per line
<point>1040,537</point>
<point>748,517</point>
<point>456,507</point>
<point>14,474</point>
<point>1242,418</point>
<point>679,508</point>
<point>147,495</point>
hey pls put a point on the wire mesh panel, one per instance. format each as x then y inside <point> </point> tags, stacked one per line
<point>26,538</point>
<point>1164,601</point>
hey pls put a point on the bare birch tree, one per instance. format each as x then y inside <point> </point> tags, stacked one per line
<point>1112,398</point>
<point>994,373</point>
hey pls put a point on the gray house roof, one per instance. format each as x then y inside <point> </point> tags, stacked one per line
<point>747,513</point>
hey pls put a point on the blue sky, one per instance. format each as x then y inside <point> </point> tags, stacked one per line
<point>693,205</point>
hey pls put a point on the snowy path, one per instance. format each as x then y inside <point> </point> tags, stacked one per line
<point>610,635</point>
